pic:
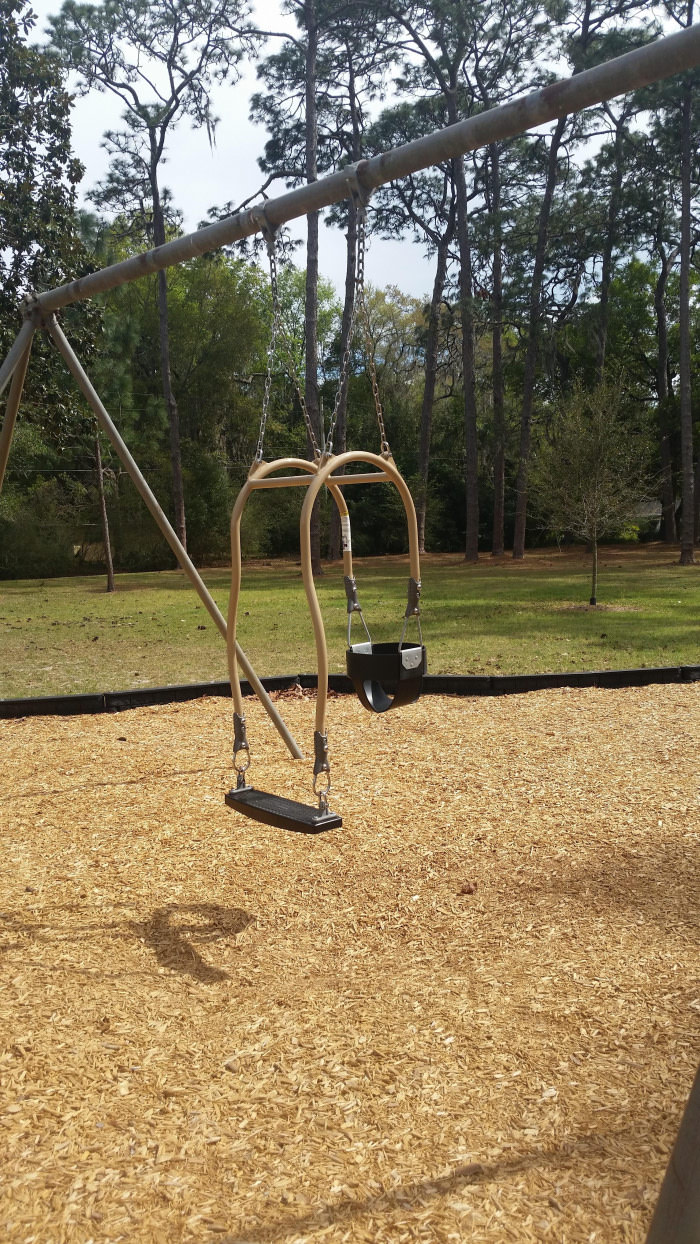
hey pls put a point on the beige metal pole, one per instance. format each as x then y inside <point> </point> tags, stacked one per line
<point>670,55</point>
<point>294,481</point>
<point>91,395</point>
<point>259,473</point>
<point>14,354</point>
<point>14,398</point>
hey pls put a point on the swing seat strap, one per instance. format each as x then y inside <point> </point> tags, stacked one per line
<point>386,675</point>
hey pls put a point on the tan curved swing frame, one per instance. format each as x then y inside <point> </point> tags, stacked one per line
<point>318,474</point>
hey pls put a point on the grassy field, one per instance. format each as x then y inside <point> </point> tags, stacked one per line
<point>68,635</point>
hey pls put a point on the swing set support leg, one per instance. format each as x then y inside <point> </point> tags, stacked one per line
<point>14,398</point>
<point>15,352</point>
<point>92,397</point>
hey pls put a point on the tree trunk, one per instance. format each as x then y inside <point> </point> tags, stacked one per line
<point>594,570</point>
<point>466,308</point>
<point>103,514</point>
<point>669,529</point>
<point>609,246</point>
<point>687,486</point>
<point>311,311</point>
<point>498,386</point>
<point>432,348</point>
<point>532,340</point>
<point>166,376</point>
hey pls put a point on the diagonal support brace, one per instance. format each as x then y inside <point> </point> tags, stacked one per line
<point>92,397</point>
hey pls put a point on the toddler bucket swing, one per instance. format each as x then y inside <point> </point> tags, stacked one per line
<point>385,675</point>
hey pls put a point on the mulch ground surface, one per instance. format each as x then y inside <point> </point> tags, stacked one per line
<point>471,1014</point>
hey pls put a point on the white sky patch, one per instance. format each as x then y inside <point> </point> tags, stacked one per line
<point>200,178</point>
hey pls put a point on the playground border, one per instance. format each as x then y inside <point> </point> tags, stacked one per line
<point>433,684</point>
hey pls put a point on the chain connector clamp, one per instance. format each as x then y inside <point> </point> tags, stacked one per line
<point>322,767</point>
<point>354,606</point>
<point>321,761</point>
<point>240,744</point>
<point>412,609</point>
<point>413,602</point>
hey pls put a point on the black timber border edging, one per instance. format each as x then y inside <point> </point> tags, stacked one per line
<point>433,684</point>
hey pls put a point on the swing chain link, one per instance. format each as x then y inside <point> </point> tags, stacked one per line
<point>274,333</point>
<point>347,352</point>
<point>359,303</point>
<point>366,325</point>
<point>278,331</point>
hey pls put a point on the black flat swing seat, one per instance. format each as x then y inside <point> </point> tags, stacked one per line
<point>386,675</point>
<point>281,812</point>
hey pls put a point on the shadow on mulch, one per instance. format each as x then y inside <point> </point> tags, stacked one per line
<point>172,940</point>
<point>655,885</point>
<point>416,1194</point>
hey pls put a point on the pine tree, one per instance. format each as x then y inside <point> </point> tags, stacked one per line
<point>161,60</point>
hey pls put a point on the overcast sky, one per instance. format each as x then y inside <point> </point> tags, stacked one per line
<point>200,178</point>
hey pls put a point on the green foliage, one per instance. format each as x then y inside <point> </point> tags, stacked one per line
<point>38,171</point>
<point>161,62</point>
<point>38,530</point>
<point>591,475</point>
<point>43,504</point>
<point>40,245</point>
<point>210,499</point>
<point>610,277</point>
<point>190,48</point>
<point>219,314</point>
<point>592,472</point>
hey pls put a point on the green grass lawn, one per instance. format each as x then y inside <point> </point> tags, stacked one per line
<point>68,635</point>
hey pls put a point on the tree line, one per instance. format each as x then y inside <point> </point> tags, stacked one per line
<point>561,333</point>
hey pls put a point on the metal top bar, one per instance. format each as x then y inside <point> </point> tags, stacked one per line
<point>636,69</point>
<point>303,481</point>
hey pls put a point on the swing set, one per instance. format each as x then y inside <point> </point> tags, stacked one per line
<point>385,675</point>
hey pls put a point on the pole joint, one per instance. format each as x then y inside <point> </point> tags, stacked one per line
<point>259,218</point>
<point>358,192</point>
<point>30,306</point>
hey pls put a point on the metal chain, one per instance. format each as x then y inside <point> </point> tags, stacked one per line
<point>364,310</point>
<point>342,380</point>
<point>274,332</point>
<point>345,361</point>
<point>359,304</point>
<point>278,331</point>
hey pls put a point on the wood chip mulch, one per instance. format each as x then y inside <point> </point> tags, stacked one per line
<point>471,1014</point>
